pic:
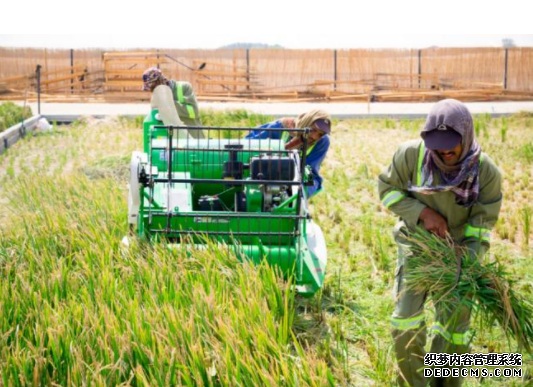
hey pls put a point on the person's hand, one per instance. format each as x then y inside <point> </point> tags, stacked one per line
<point>295,143</point>
<point>434,222</point>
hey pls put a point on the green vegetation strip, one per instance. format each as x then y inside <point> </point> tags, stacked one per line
<point>11,114</point>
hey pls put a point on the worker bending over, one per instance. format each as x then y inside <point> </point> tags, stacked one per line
<point>318,140</point>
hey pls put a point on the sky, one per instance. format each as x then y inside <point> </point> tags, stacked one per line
<point>289,23</point>
<point>294,41</point>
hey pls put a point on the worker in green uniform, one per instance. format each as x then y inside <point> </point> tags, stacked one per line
<point>445,184</point>
<point>181,94</point>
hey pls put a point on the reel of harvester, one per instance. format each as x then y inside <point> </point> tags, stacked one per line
<point>247,194</point>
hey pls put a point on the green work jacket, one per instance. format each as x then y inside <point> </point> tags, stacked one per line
<point>467,226</point>
<point>186,104</point>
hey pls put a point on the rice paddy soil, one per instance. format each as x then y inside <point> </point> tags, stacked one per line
<point>76,308</point>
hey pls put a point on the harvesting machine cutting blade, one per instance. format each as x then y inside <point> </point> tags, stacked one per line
<point>248,195</point>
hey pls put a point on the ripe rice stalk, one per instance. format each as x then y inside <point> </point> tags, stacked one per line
<point>486,287</point>
<point>78,308</point>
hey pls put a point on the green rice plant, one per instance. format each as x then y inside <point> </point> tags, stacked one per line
<point>234,118</point>
<point>484,129</point>
<point>523,114</point>
<point>526,217</point>
<point>362,170</point>
<point>526,152</point>
<point>481,123</point>
<point>525,181</point>
<point>389,123</point>
<point>416,126</point>
<point>79,123</point>
<point>10,171</point>
<point>504,128</point>
<point>381,356</point>
<point>128,121</point>
<point>381,251</point>
<point>12,114</point>
<point>405,124</point>
<point>485,287</point>
<point>411,125</point>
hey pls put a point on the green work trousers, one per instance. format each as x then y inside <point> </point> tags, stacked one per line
<point>450,332</point>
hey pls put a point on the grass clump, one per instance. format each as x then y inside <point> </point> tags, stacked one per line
<point>504,128</point>
<point>11,114</point>
<point>135,121</point>
<point>234,118</point>
<point>525,152</point>
<point>112,167</point>
<point>485,287</point>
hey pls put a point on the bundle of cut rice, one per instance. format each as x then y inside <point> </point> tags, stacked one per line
<point>450,276</point>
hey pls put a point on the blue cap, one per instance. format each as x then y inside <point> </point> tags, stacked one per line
<point>323,124</point>
<point>441,138</point>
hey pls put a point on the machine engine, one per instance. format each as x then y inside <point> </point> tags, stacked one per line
<point>270,168</point>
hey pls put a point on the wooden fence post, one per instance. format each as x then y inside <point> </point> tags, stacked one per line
<point>419,66</point>
<point>247,69</point>
<point>38,73</point>
<point>335,69</point>
<point>71,70</point>
<point>506,68</point>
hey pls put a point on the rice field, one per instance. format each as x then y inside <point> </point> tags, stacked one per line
<point>76,308</point>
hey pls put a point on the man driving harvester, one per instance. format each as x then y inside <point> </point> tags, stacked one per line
<point>318,141</point>
<point>445,184</point>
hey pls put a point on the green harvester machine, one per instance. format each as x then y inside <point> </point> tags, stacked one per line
<point>193,184</point>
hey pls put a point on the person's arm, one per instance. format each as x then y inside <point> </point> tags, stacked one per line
<point>392,187</point>
<point>485,212</point>
<point>260,134</point>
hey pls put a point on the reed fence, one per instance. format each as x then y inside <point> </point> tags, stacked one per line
<point>470,74</point>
